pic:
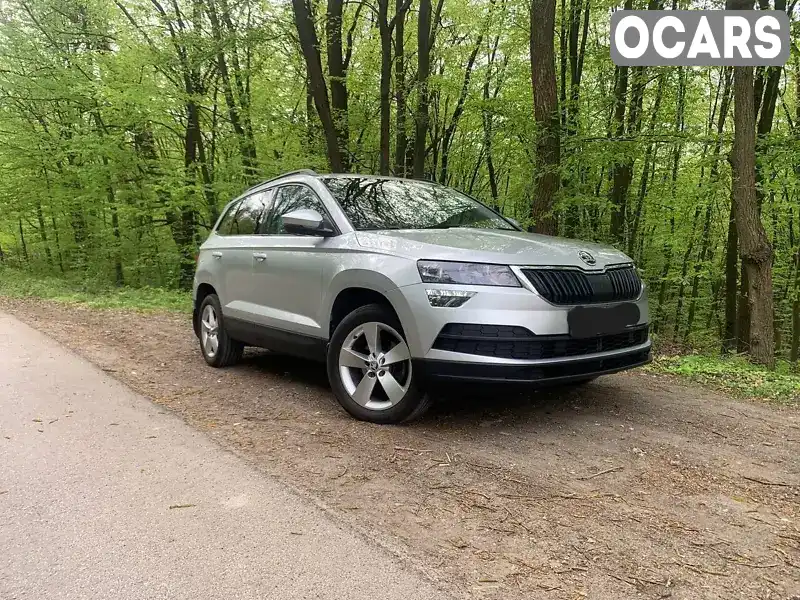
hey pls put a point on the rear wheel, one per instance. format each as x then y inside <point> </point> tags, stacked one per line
<point>217,347</point>
<point>370,369</point>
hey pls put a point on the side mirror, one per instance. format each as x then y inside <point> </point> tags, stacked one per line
<point>306,221</point>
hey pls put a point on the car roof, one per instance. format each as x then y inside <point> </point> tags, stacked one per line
<point>314,174</point>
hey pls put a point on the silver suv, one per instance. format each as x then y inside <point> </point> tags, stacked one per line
<point>399,284</point>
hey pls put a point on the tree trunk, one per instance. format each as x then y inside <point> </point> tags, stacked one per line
<point>386,82</point>
<point>795,351</point>
<point>684,271</point>
<point>337,72</point>
<point>401,139</point>
<point>648,159</point>
<point>714,176</point>
<point>246,147</point>
<point>730,330</point>
<point>662,292</point>
<point>58,244</point>
<point>24,246</point>
<point>755,250</point>
<point>488,119</point>
<point>43,233</point>
<point>319,92</point>
<point>447,140</point>
<point>423,70</point>
<point>545,104</point>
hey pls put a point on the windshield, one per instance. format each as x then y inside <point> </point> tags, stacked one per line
<point>372,203</point>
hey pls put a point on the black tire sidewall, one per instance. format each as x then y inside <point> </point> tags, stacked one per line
<point>398,413</point>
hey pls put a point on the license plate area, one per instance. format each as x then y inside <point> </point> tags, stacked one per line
<point>591,321</point>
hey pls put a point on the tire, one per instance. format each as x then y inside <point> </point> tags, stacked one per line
<point>228,351</point>
<point>367,387</point>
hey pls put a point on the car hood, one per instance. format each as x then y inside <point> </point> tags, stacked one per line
<point>490,246</point>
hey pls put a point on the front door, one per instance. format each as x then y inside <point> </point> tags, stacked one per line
<point>288,281</point>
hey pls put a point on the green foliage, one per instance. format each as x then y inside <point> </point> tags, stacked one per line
<point>95,294</point>
<point>736,375</point>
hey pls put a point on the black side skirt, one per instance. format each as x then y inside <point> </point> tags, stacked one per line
<point>278,340</point>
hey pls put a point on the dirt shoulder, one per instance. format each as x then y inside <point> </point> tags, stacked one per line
<point>633,486</point>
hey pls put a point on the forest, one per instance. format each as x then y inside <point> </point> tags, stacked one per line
<point>127,125</point>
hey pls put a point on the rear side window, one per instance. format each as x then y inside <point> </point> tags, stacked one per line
<point>251,211</point>
<point>227,219</point>
<point>287,199</point>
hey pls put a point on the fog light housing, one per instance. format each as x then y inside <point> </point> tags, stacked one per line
<point>448,298</point>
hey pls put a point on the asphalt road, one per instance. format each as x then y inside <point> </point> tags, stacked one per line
<point>105,495</point>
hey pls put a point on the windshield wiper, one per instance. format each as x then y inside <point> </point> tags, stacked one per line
<point>442,226</point>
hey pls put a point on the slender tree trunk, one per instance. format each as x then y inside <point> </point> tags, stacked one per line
<point>401,140</point>
<point>386,83</point>
<point>563,62</point>
<point>545,104</point>
<point>488,120</point>
<point>684,271</point>
<point>337,72</point>
<point>23,245</point>
<point>730,330</point>
<point>648,159</point>
<point>714,176</point>
<point>119,277</point>
<point>58,245</point>
<point>319,91</point>
<point>43,233</point>
<point>246,147</point>
<point>458,111</point>
<point>661,314</point>
<point>423,71</point>
<point>795,347</point>
<point>755,250</point>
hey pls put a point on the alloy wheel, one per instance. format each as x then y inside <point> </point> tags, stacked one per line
<point>375,366</point>
<point>209,331</point>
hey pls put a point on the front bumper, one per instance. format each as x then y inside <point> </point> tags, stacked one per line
<point>553,373</point>
<point>515,307</point>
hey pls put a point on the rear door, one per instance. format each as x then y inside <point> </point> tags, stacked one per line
<point>288,281</point>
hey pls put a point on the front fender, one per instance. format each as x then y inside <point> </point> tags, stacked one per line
<point>376,281</point>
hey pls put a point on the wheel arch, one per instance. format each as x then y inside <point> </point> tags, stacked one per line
<point>203,291</point>
<point>354,288</point>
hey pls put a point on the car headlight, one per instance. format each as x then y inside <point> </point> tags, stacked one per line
<point>436,271</point>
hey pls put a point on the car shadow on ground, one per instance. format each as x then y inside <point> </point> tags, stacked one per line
<point>462,405</point>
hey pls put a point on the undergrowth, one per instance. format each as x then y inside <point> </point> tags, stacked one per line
<point>16,284</point>
<point>736,375</point>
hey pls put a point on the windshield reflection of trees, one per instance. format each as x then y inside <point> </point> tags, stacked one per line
<point>390,204</point>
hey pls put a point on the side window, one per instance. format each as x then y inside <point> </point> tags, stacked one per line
<point>227,219</point>
<point>251,211</point>
<point>287,199</point>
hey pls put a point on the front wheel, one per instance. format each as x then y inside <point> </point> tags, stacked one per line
<point>370,369</point>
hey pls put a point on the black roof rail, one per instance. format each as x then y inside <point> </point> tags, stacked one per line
<point>297,172</point>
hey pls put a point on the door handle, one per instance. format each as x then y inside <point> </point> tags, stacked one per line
<point>260,256</point>
<point>217,255</point>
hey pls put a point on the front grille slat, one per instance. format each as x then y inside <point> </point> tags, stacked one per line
<point>504,341</point>
<point>571,286</point>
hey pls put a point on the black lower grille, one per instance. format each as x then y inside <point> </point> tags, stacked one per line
<point>504,341</point>
<point>572,286</point>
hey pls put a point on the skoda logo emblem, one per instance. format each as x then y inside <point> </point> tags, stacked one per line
<point>586,257</point>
